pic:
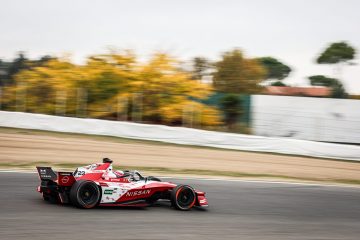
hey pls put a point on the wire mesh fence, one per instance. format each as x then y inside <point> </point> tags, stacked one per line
<point>306,118</point>
<point>76,103</point>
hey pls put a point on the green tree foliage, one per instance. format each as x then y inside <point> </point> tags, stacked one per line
<point>8,70</point>
<point>231,107</point>
<point>237,74</point>
<point>278,84</point>
<point>275,69</point>
<point>339,52</point>
<point>4,66</point>
<point>20,63</point>
<point>201,67</point>
<point>336,86</point>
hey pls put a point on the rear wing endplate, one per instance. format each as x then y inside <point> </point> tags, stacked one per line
<point>46,174</point>
<point>66,179</point>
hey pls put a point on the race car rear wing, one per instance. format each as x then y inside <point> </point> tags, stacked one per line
<point>46,174</point>
<point>61,178</point>
<point>66,179</point>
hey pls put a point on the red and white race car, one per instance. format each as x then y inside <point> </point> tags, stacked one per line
<point>99,185</point>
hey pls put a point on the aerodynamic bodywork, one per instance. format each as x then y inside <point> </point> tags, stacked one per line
<point>99,185</point>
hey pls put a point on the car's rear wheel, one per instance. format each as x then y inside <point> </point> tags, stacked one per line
<point>85,194</point>
<point>183,197</point>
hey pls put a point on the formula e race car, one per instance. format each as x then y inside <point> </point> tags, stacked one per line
<point>99,185</point>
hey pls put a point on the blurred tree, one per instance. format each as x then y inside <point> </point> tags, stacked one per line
<point>18,64</point>
<point>4,66</point>
<point>338,90</point>
<point>236,74</point>
<point>354,96</point>
<point>42,61</point>
<point>278,84</point>
<point>167,92</point>
<point>109,78</point>
<point>337,53</point>
<point>8,70</point>
<point>275,69</point>
<point>112,83</point>
<point>37,87</point>
<point>231,106</point>
<point>201,67</point>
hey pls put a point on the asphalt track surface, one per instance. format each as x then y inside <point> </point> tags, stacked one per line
<point>238,210</point>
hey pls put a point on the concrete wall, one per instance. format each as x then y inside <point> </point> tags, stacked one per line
<point>179,135</point>
<point>317,119</point>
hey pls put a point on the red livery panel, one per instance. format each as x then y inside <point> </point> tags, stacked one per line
<point>98,184</point>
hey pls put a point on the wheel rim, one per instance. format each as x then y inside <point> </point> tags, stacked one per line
<point>185,197</point>
<point>88,194</point>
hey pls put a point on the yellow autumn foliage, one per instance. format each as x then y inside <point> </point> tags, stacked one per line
<point>113,86</point>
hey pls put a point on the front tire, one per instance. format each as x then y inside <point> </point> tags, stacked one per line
<point>85,194</point>
<point>183,197</point>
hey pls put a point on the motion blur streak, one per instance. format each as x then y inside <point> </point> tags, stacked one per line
<point>239,210</point>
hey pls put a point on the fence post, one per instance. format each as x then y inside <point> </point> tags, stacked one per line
<point>137,107</point>
<point>1,98</point>
<point>60,108</point>
<point>81,103</point>
<point>199,117</point>
<point>20,97</point>
<point>122,108</point>
<point>140,107</point>
<point>184,116</point>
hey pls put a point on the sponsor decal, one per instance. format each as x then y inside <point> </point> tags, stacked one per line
<point>108,191</point>
<point>65,179</point>
<point>138,193</point>
<point>45,176</point>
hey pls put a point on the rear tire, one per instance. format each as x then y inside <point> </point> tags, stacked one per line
<point>85,194</point>
<point>183,197</point>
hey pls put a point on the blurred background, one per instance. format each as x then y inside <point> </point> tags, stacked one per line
<point>261,75</point>
<point>236,67</point>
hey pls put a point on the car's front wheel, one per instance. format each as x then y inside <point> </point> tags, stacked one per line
<point>183,197</point>
<point>85,194</point>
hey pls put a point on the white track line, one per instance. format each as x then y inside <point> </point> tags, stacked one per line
<point>222,180</point>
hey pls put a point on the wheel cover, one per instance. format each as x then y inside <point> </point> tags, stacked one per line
<point>88,194</point>
<point>185,197</point>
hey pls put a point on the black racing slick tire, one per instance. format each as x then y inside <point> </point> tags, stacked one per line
<point>85,194</point>
<point>183,197</point>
